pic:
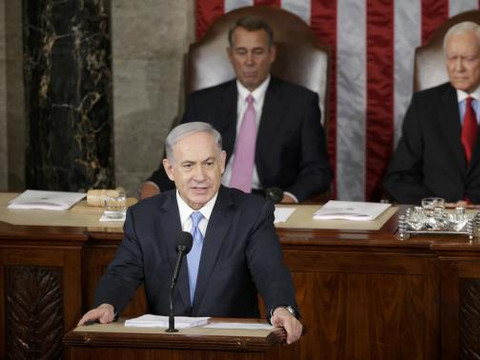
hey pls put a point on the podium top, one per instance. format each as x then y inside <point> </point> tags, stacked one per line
<point>117,335</point>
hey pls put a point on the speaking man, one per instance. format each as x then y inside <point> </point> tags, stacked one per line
<point>235,249</point>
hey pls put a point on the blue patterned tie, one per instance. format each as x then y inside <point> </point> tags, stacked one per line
<point>193,257</point>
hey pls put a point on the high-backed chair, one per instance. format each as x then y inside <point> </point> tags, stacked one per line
<point>430,68</point>
<point>300,59</point>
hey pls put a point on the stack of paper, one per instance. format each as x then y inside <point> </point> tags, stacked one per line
<point>181,322</point>
<point>45,200</point>
<point>350,210</point>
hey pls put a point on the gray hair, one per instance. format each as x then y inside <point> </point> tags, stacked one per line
<point>251,23</point>
<point>462,28</point>
<point>183,130</point>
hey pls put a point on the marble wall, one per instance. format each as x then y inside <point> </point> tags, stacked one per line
<point>68,83</point>
<point>12,120</point>
<point>148,41</point>
<point>3,110</point>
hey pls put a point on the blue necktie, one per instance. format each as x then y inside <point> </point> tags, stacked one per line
<point>193,257</point>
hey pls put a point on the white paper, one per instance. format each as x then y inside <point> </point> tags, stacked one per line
<point>242,326</point>
<point>104,218</point>
<point>181,322</point>
<point>45,200</point>
<point>350,210</point>
<point>282,214</point>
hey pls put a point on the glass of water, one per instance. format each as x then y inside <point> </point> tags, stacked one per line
<point>115,206</point>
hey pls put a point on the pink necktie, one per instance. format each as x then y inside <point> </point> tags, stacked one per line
<point>469,129</point>
<point>243,161</point>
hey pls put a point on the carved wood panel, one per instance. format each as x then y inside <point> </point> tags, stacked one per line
<point>34,312</point>
<point>469,313</point>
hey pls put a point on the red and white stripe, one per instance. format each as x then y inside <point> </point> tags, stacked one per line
<point>373,43</point>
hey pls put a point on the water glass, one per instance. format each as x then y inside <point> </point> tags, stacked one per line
<point>115,206</point>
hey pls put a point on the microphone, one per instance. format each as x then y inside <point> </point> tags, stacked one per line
<point>183,246</point>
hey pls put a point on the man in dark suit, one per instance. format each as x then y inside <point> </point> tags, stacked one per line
<point>290,150</point>
<point>438,154</point>
<point>239,250</point>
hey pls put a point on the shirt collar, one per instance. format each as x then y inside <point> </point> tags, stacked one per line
<point>462,95</point>
<point>185,211</point>
<point>258,94</point>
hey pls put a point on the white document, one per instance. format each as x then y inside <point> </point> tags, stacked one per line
<point>350,210</point>
<point>45,200</point>
<point>181,322</point>
<point>241,326</point>
<point>282,214</point>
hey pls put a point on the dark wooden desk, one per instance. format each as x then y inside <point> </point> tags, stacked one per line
<point>114,341</point>
<point>363,294</point>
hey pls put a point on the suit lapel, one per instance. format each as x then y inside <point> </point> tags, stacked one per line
<point>451,126</point>
<point>271,114</point>
<point>171,228</point>
<point>227,120</point>
<point>215,236</point>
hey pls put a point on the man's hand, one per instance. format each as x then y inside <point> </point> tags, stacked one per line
<point>104,314</point>
<point>282,318</point>
<point>287,199</point>
<point>461,203</point>
<point>148,189</point>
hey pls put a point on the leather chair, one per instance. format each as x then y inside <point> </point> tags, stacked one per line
<point>430,68</point>
<point>300,59</point>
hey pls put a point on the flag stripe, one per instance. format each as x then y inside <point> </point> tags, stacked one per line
<point>459,6</point>
<point>206,12</point>
<point>407,38</point>
<point>434,12</point>
<point>324,14</point>
<point>235,4</point>
<point>351,103</point>
<point>275,3</point>
<point>379,93</point>
<point>301,8</point>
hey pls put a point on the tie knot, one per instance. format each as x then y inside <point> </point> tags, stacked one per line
<point>250,99</point>
<point>469,100</point>
<point>196,217</point>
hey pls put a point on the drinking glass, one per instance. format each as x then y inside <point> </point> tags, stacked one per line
<point>115,206</point>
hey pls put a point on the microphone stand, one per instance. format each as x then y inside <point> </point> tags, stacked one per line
<point>171,318</point>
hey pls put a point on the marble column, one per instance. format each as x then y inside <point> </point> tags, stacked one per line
<point>68,95</point>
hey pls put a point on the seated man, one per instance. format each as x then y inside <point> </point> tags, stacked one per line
<point>276,141</point>
<point>438,154</point>
<point>237,254</point>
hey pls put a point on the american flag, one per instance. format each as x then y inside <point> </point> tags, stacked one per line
<point>373,43</point>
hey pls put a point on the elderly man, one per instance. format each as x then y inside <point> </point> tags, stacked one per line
<point>235,252</point>
<point>271,129</point>
<point>438,154</point>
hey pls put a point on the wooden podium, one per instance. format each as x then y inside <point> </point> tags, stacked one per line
<point>115,341</point>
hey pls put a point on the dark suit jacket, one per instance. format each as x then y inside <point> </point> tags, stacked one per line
<point>291,151</point>
<point>241,253</point>
<point>429,159</point>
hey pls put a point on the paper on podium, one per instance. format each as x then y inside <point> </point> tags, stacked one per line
<point>181,322</point>
<point>282,214</point>
<point>45,200</point>
<point>350,210</point>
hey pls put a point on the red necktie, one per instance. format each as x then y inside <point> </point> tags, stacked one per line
<point>469,129</point>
